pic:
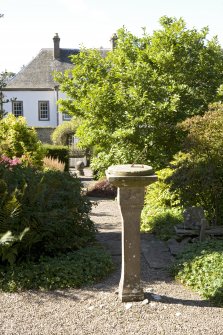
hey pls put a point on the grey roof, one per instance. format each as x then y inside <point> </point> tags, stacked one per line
<point>38,74</point>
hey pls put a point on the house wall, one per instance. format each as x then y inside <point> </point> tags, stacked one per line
<point>44,134</point>
<point>30,106</point>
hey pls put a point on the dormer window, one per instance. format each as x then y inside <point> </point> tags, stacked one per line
<point>44,112</point>
<point>17,108</point>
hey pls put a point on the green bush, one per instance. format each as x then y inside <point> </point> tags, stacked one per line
<point>200,267</point>
<point>102,188</point>
<point>60,152</point>
<point>74,269</point>
<point>41,213</point>
<point>162,208</point>
<point>115,155</point>
<point>18,140</point>
<point>161,221</point>
<point>198,172</point>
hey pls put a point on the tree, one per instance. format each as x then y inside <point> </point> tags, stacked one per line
<point>198,172</point>
<point>4,78</point>
<point>133,98</point>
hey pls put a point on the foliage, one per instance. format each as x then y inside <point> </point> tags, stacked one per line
<point>53,164</point>
<point>201,267</point>
<point>60,152</point>
<point>61,133</point>
<point>102,188</point>
<point>162,210</point>
<point>161,221</point>
<point>75,269</point>
<point>41,213</point>
<point>133,97</point>
<point>198,173</point>
<point>18,140</point>
<point>102,160</point>
<point>4,78</point>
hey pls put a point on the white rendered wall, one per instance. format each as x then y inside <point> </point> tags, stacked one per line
<point>30,106</point>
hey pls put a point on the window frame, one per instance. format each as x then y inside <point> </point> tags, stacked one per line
<point>14,102</point>
<point>48,110</point>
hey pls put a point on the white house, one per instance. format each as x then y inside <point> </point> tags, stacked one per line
<point>33,93</point>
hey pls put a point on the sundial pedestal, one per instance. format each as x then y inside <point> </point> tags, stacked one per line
<point>131,181</point>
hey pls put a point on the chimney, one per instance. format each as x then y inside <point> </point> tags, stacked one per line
<point>56,52</point>
<point>113,40</point>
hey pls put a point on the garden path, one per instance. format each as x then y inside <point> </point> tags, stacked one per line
<point>168,308</point>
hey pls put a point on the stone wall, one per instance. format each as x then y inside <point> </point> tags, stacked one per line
<point>44,134</point>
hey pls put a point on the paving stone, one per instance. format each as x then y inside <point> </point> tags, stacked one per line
<point>156,253</point>
<point>177,247</point>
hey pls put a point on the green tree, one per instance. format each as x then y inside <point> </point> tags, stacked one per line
<point>132,98</point>
<point>4,78</point>
<point>198,172</point>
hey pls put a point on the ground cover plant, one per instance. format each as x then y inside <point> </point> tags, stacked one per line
<point>200,267</point>
<point>74,269</point>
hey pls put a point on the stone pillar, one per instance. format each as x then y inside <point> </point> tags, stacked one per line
<point>130,200</point>
<point>131,182</point>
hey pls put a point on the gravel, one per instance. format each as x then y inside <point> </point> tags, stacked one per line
<point>168,308</point>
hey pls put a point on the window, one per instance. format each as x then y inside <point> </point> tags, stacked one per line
<point>44,114</point>
<point>17,108</point>
<point>66,117</point>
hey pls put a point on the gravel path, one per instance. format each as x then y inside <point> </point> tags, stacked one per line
<point>170,309</point>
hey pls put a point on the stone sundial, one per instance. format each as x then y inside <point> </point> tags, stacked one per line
<point>131,181</point>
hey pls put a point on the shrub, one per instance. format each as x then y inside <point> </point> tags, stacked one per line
<point>74,269</point>
<point>102,188</point>
<point>162,208</point>
<point>161,221</point>
<point>198,173</point>
<point>44,212</point>
<point>18,140</point>
<point>115,155</point>
<point>200,267</point>
<point>59,152</point>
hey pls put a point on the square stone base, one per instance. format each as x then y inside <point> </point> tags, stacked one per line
<point>129,296</point>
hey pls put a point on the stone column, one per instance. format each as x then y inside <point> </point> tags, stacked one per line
<point>131,181</point>
<point>130,200</point>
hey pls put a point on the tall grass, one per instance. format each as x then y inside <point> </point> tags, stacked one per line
<point>53,164</point>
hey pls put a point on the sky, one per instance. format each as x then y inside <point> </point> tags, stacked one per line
<point>29,25</point>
